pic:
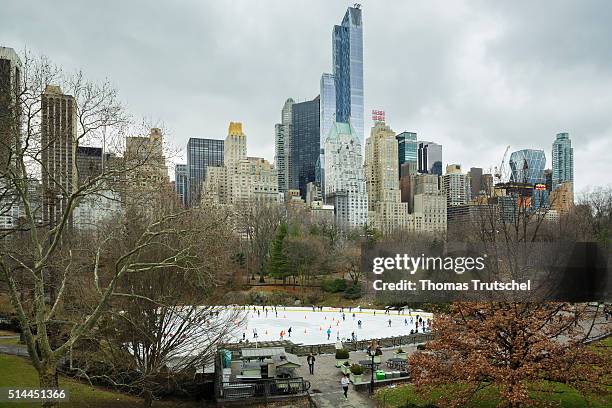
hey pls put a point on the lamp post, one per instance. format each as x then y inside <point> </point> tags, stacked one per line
<point>372,352</point>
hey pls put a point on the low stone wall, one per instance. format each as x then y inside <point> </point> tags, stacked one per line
<point>304,350</point>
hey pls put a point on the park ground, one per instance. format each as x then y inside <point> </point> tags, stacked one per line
<point>16,371</point>
<point>561,395</point>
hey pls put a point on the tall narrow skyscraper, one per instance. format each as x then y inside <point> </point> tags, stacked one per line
<point>201,153</point>
<point>562,160</point>
<point>327,117</point>
<point>181,182</point>
<point>305,144</point>
<point>429,158</point>
<point>282,145</point>
<point>10,81</point>
<point>348,70</point>
<point>58,155</point>
<point>407,148</point>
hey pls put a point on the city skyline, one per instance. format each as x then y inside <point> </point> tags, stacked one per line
<point>476,100</point>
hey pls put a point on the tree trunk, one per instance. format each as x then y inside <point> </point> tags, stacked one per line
<point>48,379</point>
<point>148,399</point>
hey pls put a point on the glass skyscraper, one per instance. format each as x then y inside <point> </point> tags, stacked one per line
<point>181,182</point>
<point>407,147</point>
<point>305,144</point>
<point>429,157</point>
<point>327,117</point>
<point>348,70</point>
<point>562,160</point>
<point>201,153</point>
<point>527,166</point>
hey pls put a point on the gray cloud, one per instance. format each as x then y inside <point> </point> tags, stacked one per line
<point>473,75</point>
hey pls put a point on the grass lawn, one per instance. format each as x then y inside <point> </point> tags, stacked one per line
<point>18,372</point>
<point>562,395</point>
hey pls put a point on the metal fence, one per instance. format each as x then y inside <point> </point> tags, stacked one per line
<point>263,388</point>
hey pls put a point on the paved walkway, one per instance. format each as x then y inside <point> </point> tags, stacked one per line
<point>325,383</point>
<point>17,350</point>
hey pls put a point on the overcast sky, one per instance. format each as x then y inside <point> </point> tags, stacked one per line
<point>475,76</point>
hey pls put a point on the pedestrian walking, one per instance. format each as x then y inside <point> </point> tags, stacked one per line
<point>389,322</point>
<point>311,361</point>
<point>344,381</point>
<point>289,331</point>
<point>328,332</point>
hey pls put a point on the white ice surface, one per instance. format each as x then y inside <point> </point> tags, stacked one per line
<point>310,327</point>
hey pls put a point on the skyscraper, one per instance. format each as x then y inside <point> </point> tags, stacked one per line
<point>201,153</point>
<point>527,166</point>
<point>476,183</point>
<point>347,41</point>
<point>305,143</point>
<point>407,147</point>
<point>327,117</point>
<point>282,145</point>
<point>58,141</point>
<point>345,185</point>
<point>456,186</point>
<point>10,81</point>
<point>562,160</point>
<point>387,211</point>
<point>181,182</point>
<point>429,158</point>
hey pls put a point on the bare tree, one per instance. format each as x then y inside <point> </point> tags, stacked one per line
<point>38,257</point>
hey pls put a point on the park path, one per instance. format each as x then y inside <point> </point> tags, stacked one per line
<point>14,349</point>
<point>325,383</point>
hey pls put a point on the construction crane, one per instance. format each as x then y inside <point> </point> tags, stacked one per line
<point>500,171</point>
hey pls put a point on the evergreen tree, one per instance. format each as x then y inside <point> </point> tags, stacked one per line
<point>278,265</point>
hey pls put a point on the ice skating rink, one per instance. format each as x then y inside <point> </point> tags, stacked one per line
<point>310,327</point>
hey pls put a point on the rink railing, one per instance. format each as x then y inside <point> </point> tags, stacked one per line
<point>305,349</point>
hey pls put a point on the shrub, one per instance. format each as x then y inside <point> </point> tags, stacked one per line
<point>413,405</point>
<point>353,292</point>
<point>420,346</point>
<point>399,350</point>
<point>342,354</point>
<point>356,369</point>
<point>333,285</point>
<point>346,363</point>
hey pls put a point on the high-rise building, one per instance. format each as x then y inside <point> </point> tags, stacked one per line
<point>456,186</point>
<point>548,179</point>
<point>90,163</point>
<point>429,156</point>
<point>345,186</point>
<point>58,141</point>
<point>476,182</point>
<point>347,40</point>
<point>562,198</point>
<point>562,160</point>
<point>181,182</point>
<point>327,116</point>
<point>387,211</point>
<point>10,82</point>
<point>305,143</point>
<point>407,147</point>
<point>527,166</point>
<point>201,154</point>
<point>242,180</point>
<point>282,145</point>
